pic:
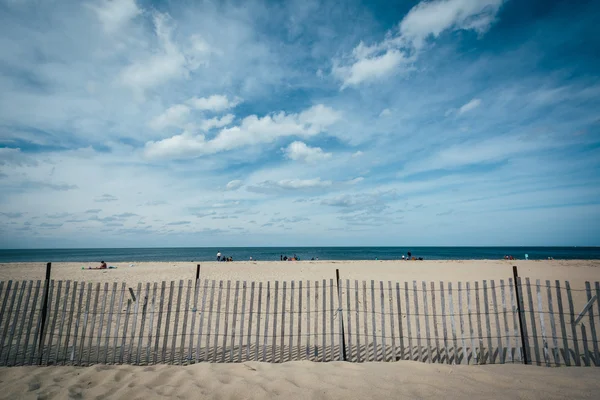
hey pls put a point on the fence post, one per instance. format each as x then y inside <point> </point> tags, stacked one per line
<point>517,293</point>
<point>197,272</point>
<point>337,276</point>
<point>44,308</point>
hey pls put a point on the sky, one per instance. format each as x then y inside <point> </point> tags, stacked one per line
<point>134,123</point>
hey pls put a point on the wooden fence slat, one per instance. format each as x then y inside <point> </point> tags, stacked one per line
<point>522,310</point>
<point>77,321</point>
<point>392,327</point>
<point>197,285</point>
<point>176,324</point>
<point>218,321</point>
<point>474,356</point>
<point>357,316</point>
<point>479,330</point>
<point>30,324</point>
<point>242,320</point>
<point>536,348</point>
<point>563,329</point>
<point>383,346</point>
<point>588,291</point>
<point>267,312</point>
<point>417,321</point>
<point>6,294</point>
<point>461,316</point>
<point>7,320</point>
<point>202,314</point>
<point>15,322</point>
<point>324,314</point>
<point>46,322</point>
<point>308,319</point>
<point>426,314</point>
<point>505,319</point>
<point>168,322</point>
<point>542,323</point>
<point>258,310</point>
<point>234,321</point>
<point>108,325</point>
<point>23,313</point>
<point>452,323</point>
<point>158,323</point>
<point>282,344</point>
<point>69,324</point>
<point>373,324</point>
<point>134,320</point>
<point>597,288</point>
<point>299,339</point>
<point>435,324</point>
<point>487,322</point>
<point>407,305</point>
<point>186,312</point>
<point>23,325</point>
<point>291,344</point>
<point>349,320</point>
<point>399,311</point>
<point>366,326</point>
<point>125,326</point>
<point>555,353</point>
<point>497,318</point>
<point>101,323</point>
<point>515,309</point>
<point>331,314</point>
<point>586,353</point>
<point>275,318</point>
<point>149,353</point>
<point>444,328</point>
<point>55,311</point>
<point>62,320</point>
<point>138,356</point>
<point>226,325</point>
<point>85,322</point>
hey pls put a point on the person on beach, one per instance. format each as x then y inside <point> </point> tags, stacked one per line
<point>218,255</point>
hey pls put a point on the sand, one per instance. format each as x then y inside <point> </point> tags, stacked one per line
<point>305,379</point>
<point>300,380</point>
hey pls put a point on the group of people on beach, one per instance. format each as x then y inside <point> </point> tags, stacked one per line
<point>224,259</point>
<point>286,258</point>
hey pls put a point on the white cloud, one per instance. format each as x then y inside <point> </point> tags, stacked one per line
<point>216,122</point>
<point>10,156</point>
<point>428,18</point>
<point>173,116</point>
<point>299,151</point>
<point>357,154</point>
<point>471,105</point>
<point>214,103</point>
<point>385,113</point>
<point>290,184</point>
<point>355,180</point>
<point>234,185</point>
<point>115,13</point>
<point>252,130</point>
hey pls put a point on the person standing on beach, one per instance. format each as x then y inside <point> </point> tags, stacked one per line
<point>219,255</point>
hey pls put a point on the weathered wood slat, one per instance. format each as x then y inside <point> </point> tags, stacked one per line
<point>63,319</point>
<point>536,347</point>
<point>155,356</point>
<point>407,305</point>
<point>55,312</point>
<point>226,330</point>
<point>365,325</point>
<point>331,314</point>
<point>109,322</point>
<point>13,328</point>
<point>461,316</point>
<point>299,335</point>
<point>392,314</point>
<point>487,322</point>
<point>479,330</point>
<point>234,321</point>
<point>383,346</point>
<point>452,323</point>
<point>515,310</point>
<point>497,318</point>
<point>242,321</point>
<point>125,326</point>
<point>291,339</point>
<point>138,356</point>
<point>85,322</point>
<point>184,336</point>
<point>426,314</point>
<point>563,329</point>
<point>542,323</point>
<point>586,352</point>
<point>149,353</point>
<point>217,321</point>
<point>176,324</point>
<point>197,286</point>
<point>44,333</point>
<point>324,314</point>
<point>30,321</point>
<point>399,311</point>
<point>70,323</point>
<point>275,318</point>
<point>357,316</point>
<point>417,321</point>
<point>373,324</point>
<point>444,328</point>
<point>168,322</point>
<point>349,320</point>
<point>136,308</point>
<point>505,319</point>
<point>588,291</point>
<point>267,312</point>
<point>202,315</point>
<point>19,334</point>
<point>282,344</point>
<point>258,309</point>
<point>5,293</point>
<point>521,306</point>
<point>597,288</point>
<point>2,319</point>
<point>308,319</point>
<point>77,321</point>
<point>435,324</point>
<point>101,313</point>
<point>474,355</point>
<point>555,353</point>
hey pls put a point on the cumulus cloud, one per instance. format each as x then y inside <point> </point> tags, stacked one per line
<point>290,185</point>
<point>401,47</point>
<point>252,130</point>
<point>234,185</point>
<point>11,156</point>
<point>215,103</point>
<point>105,198</point>
<point>471,105</point>
<point>299,151</point>
<point>385,113</point>
<point>217,122</point>
<point>113,14</point>
<point>173,116</point>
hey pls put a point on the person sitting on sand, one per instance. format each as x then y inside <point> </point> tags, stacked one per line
<point>102,265</point>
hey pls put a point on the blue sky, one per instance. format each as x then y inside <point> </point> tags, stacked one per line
<point>188,123</point>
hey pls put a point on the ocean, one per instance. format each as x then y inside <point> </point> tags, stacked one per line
<point>198,254</point>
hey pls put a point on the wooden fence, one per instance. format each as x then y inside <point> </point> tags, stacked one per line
<point>197,321</point>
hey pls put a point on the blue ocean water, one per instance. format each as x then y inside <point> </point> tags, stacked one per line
<point>197,254</point>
